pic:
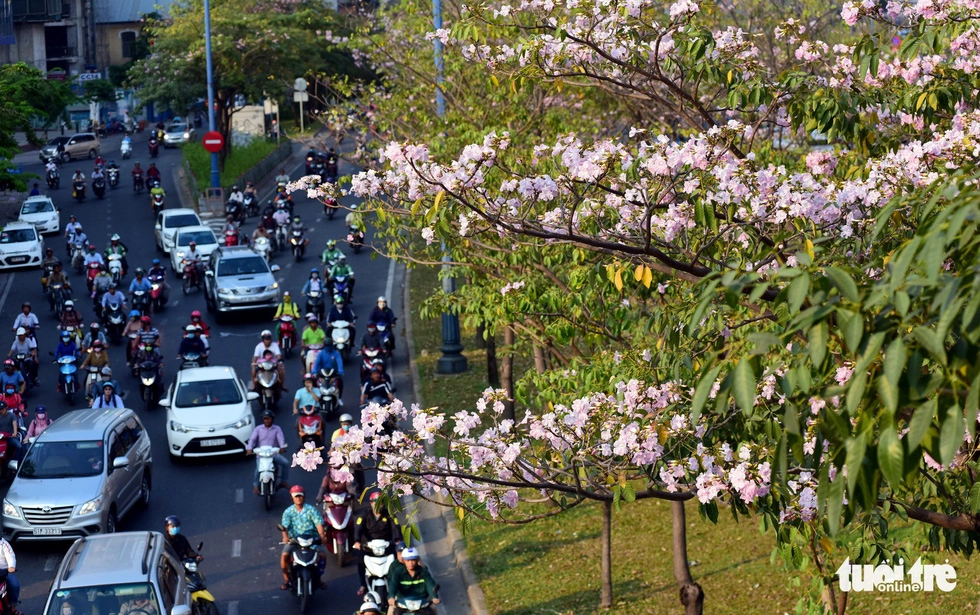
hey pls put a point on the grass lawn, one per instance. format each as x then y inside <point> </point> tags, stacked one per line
<point>551,567</point>
<point>240,159</point>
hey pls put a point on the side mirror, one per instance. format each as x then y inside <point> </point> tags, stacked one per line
<point>164,403</point>
<point>120,462</point>
<point>208,273</point>
<point>13,465</point>
<point>276,269</point>
<point>181,609</point>
<point>251,396</point>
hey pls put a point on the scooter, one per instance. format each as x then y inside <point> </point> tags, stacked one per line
<point>377,562</point>
<point>311,351</point>
<point>154,147</point>
<point>268,472</point>
<point>314,304</point>
<point>267,375</point>
<point>54,180</point>
<point>77,257</point>
<point>234,209</point>
<point>66,378</point>
<point>190,360</point>
<point>158,294</point>
<point>287,334</point>
<point>141,302</point>
<point>115,267</point>
<point>115,322</point>
<point>410,605</point>
<point>21,359</point>
<point>310,426</point>
<point>263,246</point>
<point>113,178</point>
<point>59,297</point>
<point>330,208</point>
<point>329,394</point>
<point>91,380</point>
<point>138,183</point>
<point>340,336</point>
<point>126,149</point>
<point>341,286</point>
<point>386,339</point>
<point>156,202</point>
<point>371,359</point>
<point>355,237</point>
<point>231,238</point>
<point>5,473</point>
<point>338,508</point>
<point>78,191</point>
<point>251,205</point>
<point>98,187</point>
<point>282,237</point>
<point>198,586</point>
<point>298,243</point>
<point>149,385</point>
<point>192,279</point>
<point>304,574</point>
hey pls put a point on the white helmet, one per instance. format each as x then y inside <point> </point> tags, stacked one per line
<point>21,331</point>
<point>346,418</point>
<point>369,607</point>
<point>190,328</point>
<point>382,300</point>
<point>265,333</point>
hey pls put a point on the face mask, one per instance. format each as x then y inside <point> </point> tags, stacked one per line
<point>173,530</point>
<point>190,336</point>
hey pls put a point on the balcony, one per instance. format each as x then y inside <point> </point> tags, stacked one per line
<point>36,10</point>
<point>60,53</point>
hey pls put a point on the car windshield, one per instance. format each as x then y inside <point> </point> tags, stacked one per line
<point>177,128</point>
<point>58,141</point>
<point>121,598</point>
<point>201,237</point>
<point>207,393</point>
<point>242,266</point>
<point>17,235</point>
<point>36,207</point>
<point>46,459</point>
<point>181,220</point>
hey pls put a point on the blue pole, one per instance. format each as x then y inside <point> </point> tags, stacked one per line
<point>215,174</point>
<point>440,66</point>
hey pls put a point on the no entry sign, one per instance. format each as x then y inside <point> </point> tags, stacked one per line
<point>213,141</point>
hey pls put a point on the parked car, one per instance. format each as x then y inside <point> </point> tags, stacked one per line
<point>177,134</point>
<point>20,246</point>
<point>41,212</point>
<point>202,235</point>
<point>66,149</point>
<point>101,574</point>
<point>169,221</point>
<point>80,477</point>
<point>208,413</point>
<point>239,278</point>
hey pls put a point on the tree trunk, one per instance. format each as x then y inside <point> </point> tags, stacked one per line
<point>606,597</point>
<point>691,594</point>
<point>540,363</point>
<point>507,372</point>
<point>479,341</point>
<point>836,601</point>
<point>493,371</point>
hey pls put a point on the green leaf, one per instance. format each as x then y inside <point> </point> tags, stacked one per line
<point>972,402</point>
<point>743,386</point>
<point>797,291</point>
<point>901,300</point>
<point>617,494</point>
<point>702,391</point>
<point>920,423</point>
<point>856,387</point>
<point>929,340</point>
<point>853,328</point>
<point>835,502</point>
<point>890,457</point>
<point>932,255</point>
<point>975,498</point>
<point>629,495</point>
<point>895,360</point>
<point>888,394</point>
<point>856,448</point>
<point>817,338</point>
<point>844,283</point>
<point>950,435</point>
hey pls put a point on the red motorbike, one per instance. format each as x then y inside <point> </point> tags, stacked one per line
<point>192,277</point>
<point>287,334</point>
<point>90,275</point>
<point>338,508</point>
<point>310,426</point>
<point>4,460</point>
<point>154,147</point>
<point>231,238</point>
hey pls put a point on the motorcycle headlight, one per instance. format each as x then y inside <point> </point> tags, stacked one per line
<point>9,510</point>
<point>147,381</point>
<point>175,426</point>
<point>245,421</point>
<point>91,506</point>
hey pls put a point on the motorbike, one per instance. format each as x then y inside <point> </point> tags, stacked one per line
<point>281,237</point>
<point>158,292</point>
<point>340,336</point>
<point>21,360</point>
<point>138,183</point>
<point>190,360</point>
<point>149,385</point>
<point>414,605</point>
<point>92,378</point>
<point>156,202</point>
<point>287,334</point>
<point>126,149</point>
<point>263,246</point>
<point>77,257</point>
<point>231,238</point>
<point>341,286</point>
<point>304,574</point>
<point>54,180</point>
<point>78,191</point>
<point>338,508</point>
<point>6,473</point>
<point>202,599</point>
<point>267,375</point>
<point>314,304</point>
<point>93,271</point>
<point>329,393</point>
<point>311,351</point>
<point>98,187</point>
<point>371,359</point>
<point>113,178</point>
<point>377,563</point>
<point>330,208</point>
<point>387,339</point>
<point>154,147</point>
<point>192,277</point>
<point>298,243</point>
<point>115,267</point>
<point>268,472</point>
<point>59,296</point>
<point>66,378</point>
<point>74,332</point>
<point>310,426</point>
<point>251,204</point>
<point>152,182</point>
<point>310,159</point>
<point>234,209</point>
<point>141,302</point>
<point>355,237</point>
<point>330,173</point>
<point>115,322</point>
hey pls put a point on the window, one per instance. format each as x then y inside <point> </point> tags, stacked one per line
<point>63,460</point>
<point>249,265</point>
<point>125,439</point>
<point>207,393</point>
<point>134,428</point>
<point>168,583</point>
<point>128,44</point>
<point>17,235</point>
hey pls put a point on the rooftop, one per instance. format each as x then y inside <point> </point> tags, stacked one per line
<point>110,559</point>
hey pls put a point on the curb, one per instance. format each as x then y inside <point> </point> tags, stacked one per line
<point>473,589</point>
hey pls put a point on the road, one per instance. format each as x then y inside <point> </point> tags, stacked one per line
<point>213,499</point>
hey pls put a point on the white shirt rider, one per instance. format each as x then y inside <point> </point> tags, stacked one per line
<point>261,348</point>
<point>28,321</point>
<point>281,217</point>
<point>51,166</point>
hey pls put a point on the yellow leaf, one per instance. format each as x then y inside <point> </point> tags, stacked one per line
<point>558,85</point>
<point>611,272</point>
<point>663,434</point>
<point>622,480</point>
<point>731,74</point>
<point>660,343</point>
<point>609,479</point>
<point>828,546</point>
<point>416,205</point>
<point>638,274</point>
<point>647,276</point>
<point>439,197</point>
<point>618,281</point>
<point>460,512</point>
<point>495,81</point>
<point>513,86</point>
<point>809,248</point>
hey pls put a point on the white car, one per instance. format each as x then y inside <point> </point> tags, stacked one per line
<point>202,235</point>
<point>41,212</point>
<point>168,221</point>
<point>20,246</point>
<point>208,413</point>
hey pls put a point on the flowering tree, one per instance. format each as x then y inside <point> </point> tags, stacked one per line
<point>787,223</point>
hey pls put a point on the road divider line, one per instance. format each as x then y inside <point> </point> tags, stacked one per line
<point>51,563</point>
<point>391,279</point>
<point>6,291</point>
<point>239,496</point>
<point>233,607</point>
<point>236,547</point>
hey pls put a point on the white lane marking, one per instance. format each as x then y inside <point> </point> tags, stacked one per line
<point>236,548</point>
<point>391,279</point>
<point>233,607</point>
<point>6,291</point>
<point>51,563</point>
<point>229,334</point>
<point>239,496</point>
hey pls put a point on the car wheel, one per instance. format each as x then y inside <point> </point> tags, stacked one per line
<point>145,490</point>
<point>111,522</point>
<point>92,154</point>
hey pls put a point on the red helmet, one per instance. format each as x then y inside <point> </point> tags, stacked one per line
<point>297,490</point>
<point>196,314</point>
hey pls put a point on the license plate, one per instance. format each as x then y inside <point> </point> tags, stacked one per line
<point>213,442</point>
<point>17,259</point>
<point>47,531</point>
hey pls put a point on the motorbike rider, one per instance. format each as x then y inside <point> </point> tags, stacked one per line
<point>297,520</point>
<point>373,523</point>
<point>76,238</point>
<point>287,307</point>
<point>237,197</point>
<point>99,161</point>
<point>261,232</point>
<point>16,405</point>
<point>158,190</point>
<point>330,256</point>
<point>140,282</point>
<point>10,375</point>
<point>314,283</point>
<point>93,335</point>
<point>269,434</point>
<point>26,346</point>
<point>341,311</point>
<point>148,333</point>
<point>51,165</point>
<point>283,177</point>
<point>39,424</point>
<point>354,217</point>
<point>382,313</point>
<point>346,421</point>
<point>194,256</point>
<point>376,386</point>
<point>281,215</point>
<point>113,298</point>
<point>101,284</point>
<point>112,164</point>
<point>327,359</point>
<point>250,189</point>
<point>78,178</point>
<point>133,326</point>
<point>297,225</point>
<point>71,317</point>
<point>159,271</point>
<point>93,257</point>
<point>148,353</point>
<point>50,260</point>
<point>413,581</point>
<point>66,347</point>
<point>371,339</point>
<point>97,174</point>
<point>9,424</point>
<point>313,335</point>
<point>96,357</point>
<point>191,344</point>
<point>26,319</point>
<point>308,395</point>
<point>58,276</point>
<point>153,172</point>
<point>108,399</point>
<point>369,608</point>
<point>343,269</point>
<point>119,248</point>
<point>182,546</point>
<point>269,344</point>
<point>137,174</point>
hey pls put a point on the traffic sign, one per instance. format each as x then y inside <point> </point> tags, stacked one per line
<point>213,141</point>
<point>301,97</point>
<point>300,84</point>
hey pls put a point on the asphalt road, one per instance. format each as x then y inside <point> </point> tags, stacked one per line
<point>213,499</point>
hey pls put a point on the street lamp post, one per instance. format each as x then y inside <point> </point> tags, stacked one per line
<point>215,174</point>
<point>452,360</point>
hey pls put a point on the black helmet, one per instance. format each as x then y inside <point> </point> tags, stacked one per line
<point>172,520</point>
<point>269,414</point>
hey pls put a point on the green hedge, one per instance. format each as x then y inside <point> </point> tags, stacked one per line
<point>239,160</point>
